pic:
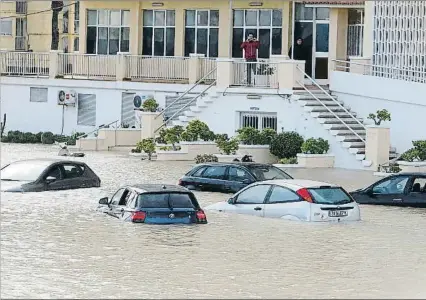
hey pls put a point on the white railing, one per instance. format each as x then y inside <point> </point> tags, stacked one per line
<point>24,64</point>
<point>157,68</point>
<point>255,74</point>
<point>407,74</point>
<point>207,64</point>
<point>82,66</point>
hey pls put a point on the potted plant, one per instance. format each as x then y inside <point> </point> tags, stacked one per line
<point>150,105</point>
<point>414,159</point>
<point>173,136</point>
<point>147,146</point>
<point>380,116</point>
<point>286,144</point>
<point>315,154</point>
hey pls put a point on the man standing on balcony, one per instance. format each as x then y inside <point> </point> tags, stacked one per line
<point>250,47</point>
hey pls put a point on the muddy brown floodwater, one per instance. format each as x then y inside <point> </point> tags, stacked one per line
<point>54,245</point>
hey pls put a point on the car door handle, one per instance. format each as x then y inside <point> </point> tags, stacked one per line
<point>258,208</point>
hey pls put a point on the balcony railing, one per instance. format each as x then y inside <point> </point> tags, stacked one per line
<point>257,74</point>
<point>87,66</point>
<point>157,68</point>
<point>24,64</point>
<point>207,64</point>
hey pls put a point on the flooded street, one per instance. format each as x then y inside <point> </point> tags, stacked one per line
<point>54,244</point>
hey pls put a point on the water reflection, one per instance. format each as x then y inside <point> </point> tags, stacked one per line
<point>54,244</point>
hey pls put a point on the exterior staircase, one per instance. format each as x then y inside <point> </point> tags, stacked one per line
<point>338,128</point>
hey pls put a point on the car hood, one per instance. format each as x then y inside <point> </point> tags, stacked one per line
<point>12,186</point>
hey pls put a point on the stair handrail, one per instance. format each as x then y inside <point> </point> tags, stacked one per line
<point>185,106</point>
<point>329,96</point>
<point>186,92</point>
<point>97,129</point>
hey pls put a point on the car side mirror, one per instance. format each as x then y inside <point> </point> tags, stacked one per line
<point>50,179</point>
<point>246,181</point>
<point>103,201</point>
<point>231,201</point>
<point>369,192</point>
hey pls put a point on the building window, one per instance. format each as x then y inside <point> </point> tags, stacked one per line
<point>108,31</point>
<point>264,24</point>
<point>86,110</point>
<point>21,7</point>
<point>64,42</point>
<point>38,94</point>
<point>128,116</point>
<point>158,33</point>
<point>21,34</point>
<point>6,27</point>
<point>355,32</point>
<point>259,121</point>
<point>65,20</point>
<point>202,32</point>
<point>76,44</point>
<point>77,17</point>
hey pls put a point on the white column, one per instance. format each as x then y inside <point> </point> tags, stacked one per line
<point>224,73</point>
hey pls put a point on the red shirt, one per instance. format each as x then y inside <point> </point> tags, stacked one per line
<point>250,49</point>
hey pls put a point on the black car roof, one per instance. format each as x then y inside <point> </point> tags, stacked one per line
<point>151,188</point>
<point>238,163</point>
<point>49,160</point>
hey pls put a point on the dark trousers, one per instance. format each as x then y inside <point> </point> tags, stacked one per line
<point>250,67</point>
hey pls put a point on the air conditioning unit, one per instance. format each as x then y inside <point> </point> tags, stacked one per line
<point>67,98</point>
<point>139,99</point>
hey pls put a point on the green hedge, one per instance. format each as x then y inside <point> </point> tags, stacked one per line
<point>39,138</point>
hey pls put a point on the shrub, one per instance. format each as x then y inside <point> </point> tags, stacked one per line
<point>228,146</point>
<point>288,161</point>
<point>286,144</point>
<point>47,138</point>
<point>249,136</point>
<point>380,116</point>
<point>197,130</point>
<point>169,148</point>
<point>418,153</point>
<point>205,158</point>
<point>161,138</point>
<point>173,135</point>
<point>266,136</point>
<point>315,146</point>
<point>136,150</point>
<point>150,105</point>
<point>147,146</point>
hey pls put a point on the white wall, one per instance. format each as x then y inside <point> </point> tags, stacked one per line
<point>222,116</point>
<point>406,101</point>
<point>29,116</point>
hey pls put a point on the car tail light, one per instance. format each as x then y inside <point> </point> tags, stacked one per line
<point>304,193</point>
<point>138,216</point>
<point>201,216</point>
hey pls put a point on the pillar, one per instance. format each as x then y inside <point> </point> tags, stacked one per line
<point>179,34</point>
<point>194,67</point>
<point>121,66</point>
<point>360,65</point>
<point>54,63</point>
<point>338,37</point>
<point>377,145</point>
<point>150,122</point>
<point>290,75</point>
<point>368,29</point>
<point>224,73</point>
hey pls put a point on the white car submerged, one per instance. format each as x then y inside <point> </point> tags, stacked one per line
<point>303,200</point>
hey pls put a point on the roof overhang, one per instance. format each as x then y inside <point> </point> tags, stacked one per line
<point>333,3</point>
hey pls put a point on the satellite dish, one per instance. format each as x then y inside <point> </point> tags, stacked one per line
<point>137,101</point>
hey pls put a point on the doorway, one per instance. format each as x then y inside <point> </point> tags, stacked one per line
<point>312,25</point>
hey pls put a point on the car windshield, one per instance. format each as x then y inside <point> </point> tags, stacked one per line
<point>23,171</point>
<point>330,195</point>
<point>268,173</point>
<point>166,200</point>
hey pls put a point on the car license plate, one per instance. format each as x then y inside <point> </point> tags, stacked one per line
<point>337,213</point>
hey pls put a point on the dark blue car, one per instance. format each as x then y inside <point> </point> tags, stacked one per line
<point>229,177</point>
<point>154,204</point>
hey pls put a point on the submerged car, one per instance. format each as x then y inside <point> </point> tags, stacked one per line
<point>38,175</point>
<point>401,189</point>
<point>229,177</point>
<point>154,204</point>
<point>303,200</point>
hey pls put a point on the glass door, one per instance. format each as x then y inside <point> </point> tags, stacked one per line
<point>321,45</point>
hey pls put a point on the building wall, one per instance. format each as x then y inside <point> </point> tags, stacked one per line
<point>404,100</point>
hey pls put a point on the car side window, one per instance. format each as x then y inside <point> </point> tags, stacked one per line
<point>282,195</point>
<point>72,171</point>
<point>125,197</point>
<point>419,185</point>
<point>54,172</point>
<point>131,202</point>
<point>394,185</point>
<point>117,196</point>
<point>253,195</point>
<point>238,174</point>
<point>199,172</point>
<point>215,172</point>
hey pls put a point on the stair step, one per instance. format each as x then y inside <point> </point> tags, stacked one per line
<point>195,109</point>
<point>361,150</point>
<point>327,109</point>
<point>360,156</point>
<point>329,115</point>
<point>353,144</point>
<point>347,132</point>
<point>349,138</point>
<point>342,127</point>
<point>317,103</point>
<point>189,113</point>
<point>336,121</point>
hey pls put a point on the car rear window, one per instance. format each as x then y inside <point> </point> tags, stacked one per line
<point>166,200</point>
<point>268,173</point>
<point>330,195</point>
